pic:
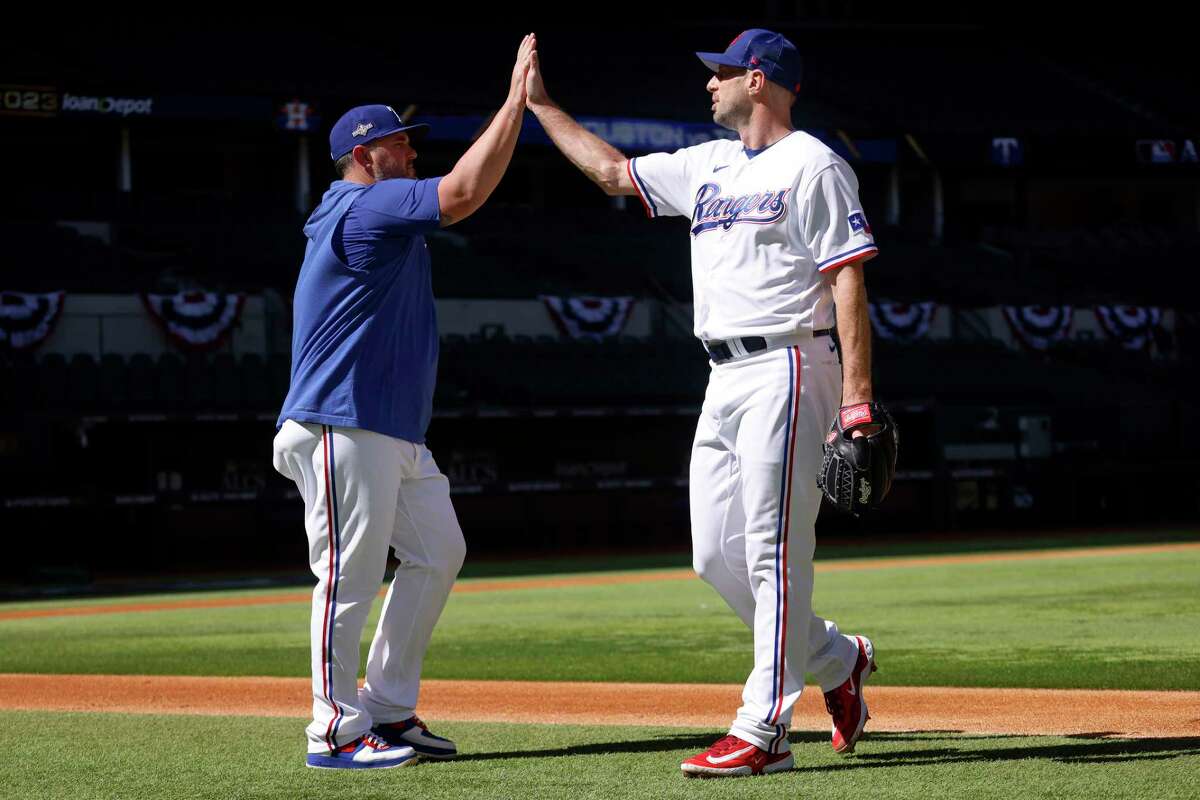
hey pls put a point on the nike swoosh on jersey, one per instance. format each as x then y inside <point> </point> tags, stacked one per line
<point>730,757</point>
<point>851,690</point>
<point>718,169</point>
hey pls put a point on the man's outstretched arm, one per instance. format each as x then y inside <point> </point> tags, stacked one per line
<point>479,170</point>
<point>604,164</point>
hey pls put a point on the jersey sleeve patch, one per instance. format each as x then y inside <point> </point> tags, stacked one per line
<point>859,224</point>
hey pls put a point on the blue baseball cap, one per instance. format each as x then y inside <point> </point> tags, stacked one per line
<point>764,50</point>
<point>363,124</point>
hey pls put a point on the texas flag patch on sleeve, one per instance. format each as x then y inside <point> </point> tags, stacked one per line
<point>859,224</point>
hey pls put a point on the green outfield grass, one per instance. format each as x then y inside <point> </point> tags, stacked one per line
<point>135,757</point>
<point>1130,621</point>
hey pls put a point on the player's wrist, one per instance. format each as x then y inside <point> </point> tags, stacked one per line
<point>857,397</point>
<point>540,105</point>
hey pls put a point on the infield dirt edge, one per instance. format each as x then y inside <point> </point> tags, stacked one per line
<point>1072,712</point>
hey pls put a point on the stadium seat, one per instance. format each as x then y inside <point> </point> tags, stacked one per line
<point>226,383</point>
<point>199,382</point>
<point>18,380</point>
<point>170,379</point>
<point>83,376</point>
<point>256,384</point>
<point>142,383</point>
<point>279,376</point>
<point>114,383</point>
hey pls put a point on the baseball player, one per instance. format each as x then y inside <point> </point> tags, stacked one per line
<point>778,240</point>
<point>352,429</point>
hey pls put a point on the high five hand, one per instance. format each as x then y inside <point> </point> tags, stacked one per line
<point>516,90</point>
<point>535,90</point>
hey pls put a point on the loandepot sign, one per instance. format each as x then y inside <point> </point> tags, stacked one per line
<point>107,105</point>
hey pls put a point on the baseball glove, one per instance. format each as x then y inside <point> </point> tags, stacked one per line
<point>856,472</point>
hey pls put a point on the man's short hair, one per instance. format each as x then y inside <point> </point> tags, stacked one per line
<point>343,164</point>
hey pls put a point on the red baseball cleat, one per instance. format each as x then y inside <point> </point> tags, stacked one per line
<point>846,704</point>
<point>733,756</point>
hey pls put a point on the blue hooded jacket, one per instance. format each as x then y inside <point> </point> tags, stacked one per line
<point>365,341</point>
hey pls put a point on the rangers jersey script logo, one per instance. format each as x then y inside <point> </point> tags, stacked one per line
<point>713,211</point>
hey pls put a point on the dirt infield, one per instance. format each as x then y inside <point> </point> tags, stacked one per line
<point>893,708</point>
<point>605,579</point>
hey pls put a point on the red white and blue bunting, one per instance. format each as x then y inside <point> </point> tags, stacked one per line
<point>901,322</point>
<point>1132,326</point>
<point>1038,327</point>
<point>26,320</point>
<point>589,317</point>
<point>195,320</point>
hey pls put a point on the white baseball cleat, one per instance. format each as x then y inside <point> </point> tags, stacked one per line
<point>413,733</point>
<point>365,752</point>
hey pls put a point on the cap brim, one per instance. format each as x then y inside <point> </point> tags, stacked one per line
<point>418,129</point>
<point>714,60</point>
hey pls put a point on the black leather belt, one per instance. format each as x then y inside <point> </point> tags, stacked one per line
<point>720,351</point>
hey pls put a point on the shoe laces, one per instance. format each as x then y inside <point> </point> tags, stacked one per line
<point>371,740</point>
<point>833,703</point>
<point>726,744</point>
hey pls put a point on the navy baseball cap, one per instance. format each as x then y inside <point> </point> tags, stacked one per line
<point>764,50</point>
<point>363,124</point>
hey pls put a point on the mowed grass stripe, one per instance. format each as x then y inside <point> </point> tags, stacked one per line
<point>1121,622</point>
<point>602,579</point>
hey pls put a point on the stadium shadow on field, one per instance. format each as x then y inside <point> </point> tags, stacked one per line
<point>651,744</point>
<point>1085,748</point>
<point>943,747</point>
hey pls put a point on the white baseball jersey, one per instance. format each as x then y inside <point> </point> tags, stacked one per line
<point>764,226</point>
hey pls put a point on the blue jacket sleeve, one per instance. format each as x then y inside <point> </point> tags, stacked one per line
<point>380,225</point>
<point>397,207</point>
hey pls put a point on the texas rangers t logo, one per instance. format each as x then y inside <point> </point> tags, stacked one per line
<point>713,211</point>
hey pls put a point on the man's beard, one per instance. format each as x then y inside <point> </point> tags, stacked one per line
<point>406,172</point>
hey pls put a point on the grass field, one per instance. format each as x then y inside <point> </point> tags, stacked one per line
<point>149,758</point>
<point>1129,621</point>
<point>1107,622</point>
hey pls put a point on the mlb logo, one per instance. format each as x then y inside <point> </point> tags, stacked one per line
<point>858,223</point>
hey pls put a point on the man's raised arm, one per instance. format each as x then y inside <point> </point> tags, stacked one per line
<point>604,164</point>
<point>478,172</point>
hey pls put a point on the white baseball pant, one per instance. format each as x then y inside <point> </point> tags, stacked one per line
<point>363,493</point>
<point>754,504</point>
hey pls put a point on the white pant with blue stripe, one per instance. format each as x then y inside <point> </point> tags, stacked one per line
<point>754,503</point>
<point>364,493</point>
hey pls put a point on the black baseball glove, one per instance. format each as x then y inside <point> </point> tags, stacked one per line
<point>856,472</point>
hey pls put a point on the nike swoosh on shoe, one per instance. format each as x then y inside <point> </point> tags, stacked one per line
<point>730,757</point>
